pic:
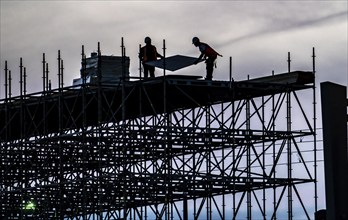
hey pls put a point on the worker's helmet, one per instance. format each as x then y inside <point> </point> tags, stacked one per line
<point>195,40</point>
<point>147,40</point>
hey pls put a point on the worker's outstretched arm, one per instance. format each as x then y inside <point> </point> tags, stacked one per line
<point>199,58</point>
<point>160,56</point>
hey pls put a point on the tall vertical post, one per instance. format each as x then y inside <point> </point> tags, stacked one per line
<point>43,72</point>
<point>83,69</point>
<point>6,98</point>
<point>86,147</point>
<point>100,131</point>
<point>315,136</point>
<point>124,146</point>
<point>62,74</point>
<point>167,157</point>
<point>230,72</point>
<point>209,161</point>
<point>139,61</point>
<point>274,157</point>
<point>9,85</point>
<point>194,166</point>
<point>60,139</point>
<point>234,208</point>
<point>289,140</point>
<point>6,80</point>
<point>289,61</point>
<point>164,78</point>
<point>167,145</point>
<point>223,167</point>
<point>59,78</point>
<point>164,57</point>
<point>23,156</point>
<point>248,159</point>
<point>264,158</point>
<point>25,81</point>
<point>142,123</point>
<point>99,73</point>
<point>122,59</point>
<point>48,83</point>
<point>21,77</point>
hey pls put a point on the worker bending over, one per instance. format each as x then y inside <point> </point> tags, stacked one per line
<point>207,53</point>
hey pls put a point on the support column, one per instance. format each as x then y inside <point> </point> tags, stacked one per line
<point>334,116</point>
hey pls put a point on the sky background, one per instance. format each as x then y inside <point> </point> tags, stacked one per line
<point>257,35</point>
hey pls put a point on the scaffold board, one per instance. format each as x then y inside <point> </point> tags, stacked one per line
<point>173,63</point>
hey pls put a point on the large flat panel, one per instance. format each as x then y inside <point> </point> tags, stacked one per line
<point>173,63</point>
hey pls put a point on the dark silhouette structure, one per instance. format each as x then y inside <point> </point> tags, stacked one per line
<point>334,114</point>
<point>171,147</point>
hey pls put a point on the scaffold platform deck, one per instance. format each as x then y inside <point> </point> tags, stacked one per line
<point>141,98</point>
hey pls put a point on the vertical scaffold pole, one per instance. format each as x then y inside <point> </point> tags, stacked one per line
<point>164,57</point>
<point>48,82</point>
<point>139,61</point>
<point>43,72</point>
<point>289,154</point>
<point>164,78</point>
<point>21,77</point>
<point>234,208</point>
<point>60,134</point>
<point>62,74</point>
<point>167,156</point>
<point>22,172</point>
<point>83,69</point>
<point>194,167</point>
<point>248,134</point>
<point>123,51</point>
<point>6,80</point>
<point>274,157</point>
<point>208,141</point>
<point>59,78</point>
<point>9,84</point>
<point>124,144</point>
<point>99,74</point>
<point>100,131</point>
<point>123,60</point>
<point>142,119</point>
<point>263,158</point>
<point>223,163</point>
<point>315,135</point>
<point>230,72</point>
<point>84,124</point>
<point>24,81</point>
<point>6,97</point>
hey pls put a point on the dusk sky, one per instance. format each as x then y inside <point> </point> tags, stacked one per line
<point>257,35</point>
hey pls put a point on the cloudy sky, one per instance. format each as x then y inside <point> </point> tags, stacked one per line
<point>256,34</point>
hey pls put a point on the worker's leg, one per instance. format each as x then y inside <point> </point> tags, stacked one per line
<point>210,69</point>
<point>146,71</point>
<point>152,71</point>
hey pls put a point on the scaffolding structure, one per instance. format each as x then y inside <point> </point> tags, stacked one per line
<point>170,147</point>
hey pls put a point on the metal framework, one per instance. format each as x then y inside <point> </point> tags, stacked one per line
<point>172,147</point>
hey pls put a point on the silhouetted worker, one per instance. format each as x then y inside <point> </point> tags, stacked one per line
<point>148,53</point>
<point>207,53</point>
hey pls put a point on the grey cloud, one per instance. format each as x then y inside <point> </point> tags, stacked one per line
<point>292,24</point>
